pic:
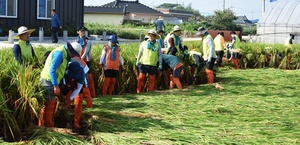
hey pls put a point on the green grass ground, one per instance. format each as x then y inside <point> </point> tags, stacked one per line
<point>257,106</point>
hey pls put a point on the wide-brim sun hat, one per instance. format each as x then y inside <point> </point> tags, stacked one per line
<point>160,18</point>
<point>23,30</point>
<point>176,28</point>
<point>77,47</point>
<point>153,33</point>
<point>72,50</point>
<point>201,30</point>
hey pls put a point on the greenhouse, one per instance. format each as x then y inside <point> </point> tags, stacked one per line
<point>279,20</point>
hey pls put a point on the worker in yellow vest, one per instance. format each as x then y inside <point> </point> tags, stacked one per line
<point>148,56</point>
<point>289,44</point>
<point>174,43</point>
<point>220,45</point>
<point>235,44</point>
<point>23,51</point>
<point>51,76</point>
<point>209,54</point>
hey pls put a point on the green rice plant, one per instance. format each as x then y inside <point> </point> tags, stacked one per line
<point>8,123</point>
<point>54,138</point>
<point>29,100</point>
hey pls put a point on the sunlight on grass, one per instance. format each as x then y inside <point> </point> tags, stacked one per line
<point>258,106</point>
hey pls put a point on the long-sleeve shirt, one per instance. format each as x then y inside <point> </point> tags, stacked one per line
<point>57,59</point>
<point>103,57</point>
<point>17,53</point>
<point>160,25</point>
<point>87,51</point>
<point>55,21</point>
<point>141,49</point>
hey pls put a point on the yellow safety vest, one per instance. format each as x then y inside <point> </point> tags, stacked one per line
<point>218,43</point>
<point>60,72</point>
<point>149,57</point>
<point>237,43</point>
<point>25,50</point>
<point>287,42</point>
<point>206,50</point>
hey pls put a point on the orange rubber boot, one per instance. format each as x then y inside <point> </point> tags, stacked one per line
<point>105,86</point>
<point>88,97</point>
<point>235,61</point>
<point>178,84</point>
<point>91,85</point>
<point>77,110</point>
<point>172,84</point>
<point>41,120</point>
<point>210,76</point>
<point>49,113</point>
<point>68,100</point>
<point>151,83</point>
<point>141,82</point>
<point>111,86</point>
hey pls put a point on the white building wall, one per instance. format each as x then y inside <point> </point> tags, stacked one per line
<point>115,19</point>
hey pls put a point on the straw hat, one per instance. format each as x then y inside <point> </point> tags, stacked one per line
<point>154,33</point>
<point>176,28</point>
<point>160,18</point>
<point>23,30</point>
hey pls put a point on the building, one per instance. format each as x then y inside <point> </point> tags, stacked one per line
<point>37,13</point>
<point>131,10</point>
<point>170,12</point>
<point>279,20</point>
<point>243,21</point>
<point>104,14</point>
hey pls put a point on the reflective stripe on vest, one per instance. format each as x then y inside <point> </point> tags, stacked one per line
<point>112,64</point>
<point>60,72</point>
<point>149,57</point>
<point>206,50</point>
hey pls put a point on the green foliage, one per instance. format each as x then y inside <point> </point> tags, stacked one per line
<point>249,31</point>
<point>223,20</point>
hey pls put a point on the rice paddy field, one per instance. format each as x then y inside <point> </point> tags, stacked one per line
<point>258,105</point>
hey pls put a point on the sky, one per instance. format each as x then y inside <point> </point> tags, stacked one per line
<point>252,9</point>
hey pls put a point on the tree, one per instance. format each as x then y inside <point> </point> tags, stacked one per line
<point>223,20</point>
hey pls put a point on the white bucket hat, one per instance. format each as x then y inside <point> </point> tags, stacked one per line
<point>23,30</point>
<point>201,30</point>
<point>154,33</point>
<point>176,28</point>
<point>77,47</point>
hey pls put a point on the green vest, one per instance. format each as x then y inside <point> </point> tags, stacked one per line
<point>206,50</point>
<point>25,50</point>
<point>237,43</point>
<point>174,39</point>
<point>60,72</point>
<point>149,57</point>
<point>218,43</point>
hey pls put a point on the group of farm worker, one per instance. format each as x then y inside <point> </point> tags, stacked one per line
<point>66,69</point>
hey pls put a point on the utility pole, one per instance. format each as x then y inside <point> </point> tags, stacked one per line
<point>263,7</point>
<point>223,5</point>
